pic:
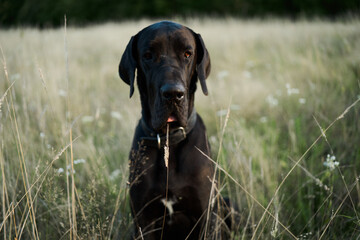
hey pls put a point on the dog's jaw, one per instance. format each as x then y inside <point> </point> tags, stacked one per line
<point>173,118</point>
<point>163,113</point>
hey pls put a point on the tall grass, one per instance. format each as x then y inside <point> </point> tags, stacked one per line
<point>289,155</point>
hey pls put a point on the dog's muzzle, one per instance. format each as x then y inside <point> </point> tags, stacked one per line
<point>176,135</point>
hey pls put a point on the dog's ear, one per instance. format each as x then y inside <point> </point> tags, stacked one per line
<point>203,65</point>
<point>128,64</point>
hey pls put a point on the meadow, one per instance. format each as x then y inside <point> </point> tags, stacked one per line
<point>283,120</point>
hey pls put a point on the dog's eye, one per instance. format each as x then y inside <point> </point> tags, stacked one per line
<point>147,56</point>
<point>187,54</point>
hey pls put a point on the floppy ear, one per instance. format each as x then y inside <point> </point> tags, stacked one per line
<point>128,64</point>
<point>203,65</point>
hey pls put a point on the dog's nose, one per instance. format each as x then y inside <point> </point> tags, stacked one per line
<point>171,92</point>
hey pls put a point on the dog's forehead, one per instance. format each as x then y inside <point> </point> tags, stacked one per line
<point>164,32</point>
<point>163,25</point>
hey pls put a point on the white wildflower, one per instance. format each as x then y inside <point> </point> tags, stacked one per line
<point>15,76</point>
<point>302,100</point>
<point>263,119</point>
<point>213,139</point>
<point>293,91</point>
<point>272,101</point>
<point>68,167</point>
<point>250,64</point>
<point>62,93</point>
<point>116,115</point>
<point>274,232</point>
<point>222,112</point>
<point>222,74</point>
<point>275,229</point>
<point>247,74</point>
<point>305,235</point>
<point>115,174</point>
<point>77,161</point>
<point>42,135</point>
<point>331,162</point>
<point>235,107</point>
<point>87,119</point>
<point>290,90</point>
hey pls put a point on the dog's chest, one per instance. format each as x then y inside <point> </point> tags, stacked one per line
<point>182,186</point>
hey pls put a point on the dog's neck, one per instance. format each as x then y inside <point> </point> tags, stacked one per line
<point>176,135</point>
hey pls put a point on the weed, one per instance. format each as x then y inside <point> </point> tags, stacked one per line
<point>283,102</point>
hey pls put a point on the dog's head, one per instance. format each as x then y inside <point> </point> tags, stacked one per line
<point>169,59</point>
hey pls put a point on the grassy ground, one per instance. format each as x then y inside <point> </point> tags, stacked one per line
<point>290,146</point>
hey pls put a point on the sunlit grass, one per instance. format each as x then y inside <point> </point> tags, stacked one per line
<point>65,139</point>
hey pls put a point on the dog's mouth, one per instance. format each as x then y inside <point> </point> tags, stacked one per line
<point>174,117</point>
<point>171,119</point>
<point>173,122</point>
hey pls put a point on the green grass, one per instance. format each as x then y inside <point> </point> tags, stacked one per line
<point>282,82</point>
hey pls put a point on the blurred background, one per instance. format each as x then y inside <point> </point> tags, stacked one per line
<point>45,13</point>
<point>286,71</point>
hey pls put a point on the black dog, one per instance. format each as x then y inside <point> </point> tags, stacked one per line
<point>169,202</point>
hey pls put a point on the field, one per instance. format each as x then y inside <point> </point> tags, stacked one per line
<point>283,120</point>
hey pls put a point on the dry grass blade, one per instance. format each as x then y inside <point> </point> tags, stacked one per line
<point>166,148</point>
<point>25,176</point>
<point>67,114</point>
<point>332,152</point>
<point>300,159</point>
<point>4,95</point>
<point>280,74</point>
<point>347,109</point>
<point>246,191</point>
<point>209,209</point>
<point>348,191</point>
<point>315,179</point>
<point>338,209</point>
<point>166,162</point>
<point>5,198</point>
<point>42,175</point>
<point>73,197</point>
<point>116,209</point>
<point>141,234</point>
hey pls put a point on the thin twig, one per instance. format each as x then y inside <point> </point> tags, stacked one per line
<point>57,156</point>
<point>166,159</point>
<point>338,209</point>
<point>246,191</point>
<point>20,150</point>
<point>216,167</point>
<point>300,159</point>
